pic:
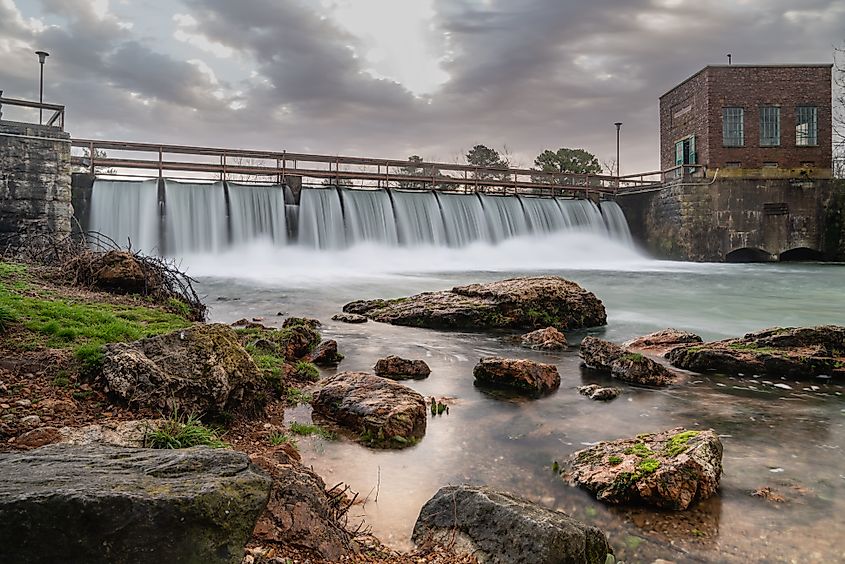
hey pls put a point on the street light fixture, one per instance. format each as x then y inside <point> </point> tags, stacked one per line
<point>42,56</point>
<point>618,125</point>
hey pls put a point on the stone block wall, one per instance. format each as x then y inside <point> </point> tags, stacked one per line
<point>35,193</point>
<point>758,219</point>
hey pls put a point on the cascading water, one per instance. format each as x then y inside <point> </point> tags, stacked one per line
<point>196,217</point>
<point>200,218</point>
<point>126,211</point>
<point>257,212</point>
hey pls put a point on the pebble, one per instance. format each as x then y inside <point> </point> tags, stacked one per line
<point>783,386</point>
<point>23,403</point>
<point>31,420</point>
<point>5,406</point>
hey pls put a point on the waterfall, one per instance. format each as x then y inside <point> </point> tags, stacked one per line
<point>126,211</point>
<point>210,217</point>
<point>195,217</point>
<point>257,212</point>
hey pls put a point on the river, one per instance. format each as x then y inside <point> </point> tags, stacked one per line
<point>783,434</point>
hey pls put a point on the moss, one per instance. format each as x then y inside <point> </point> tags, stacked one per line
<point>678,443</point>
<point>648,465</point>
<point>640,449</point>
<point>296,396</point>
<point>633,357</point>
<point>306,371</point>
<point>614,460</point>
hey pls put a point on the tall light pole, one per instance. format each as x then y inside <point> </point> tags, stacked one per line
<point>618,125</point>
<point>42,56</point>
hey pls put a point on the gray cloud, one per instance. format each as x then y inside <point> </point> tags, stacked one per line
<point>532,75</point>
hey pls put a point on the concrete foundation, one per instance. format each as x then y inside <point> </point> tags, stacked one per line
<point>741,220</point>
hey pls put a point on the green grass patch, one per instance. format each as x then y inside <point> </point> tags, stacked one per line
<point>178,432</point>
<point>305,430</point>
<point>61,380</point>
<point>306,371</point>
<point>277,439</point>
<point>83,327</point>
<point>678,443</point>
<point>296,396</point>
<point>633,357</point>
<point>614,459</point>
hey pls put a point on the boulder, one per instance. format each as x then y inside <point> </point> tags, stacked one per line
<point>598,354</point>
<point>501,528</point>
<point>326,354</point>
<point>382,412</point>
<point>525,376</point>
<point>120,271</point>
<point>397,368</point>
<point>349,318</point>
<point>113,433</point>
<point>300,512</point>
<point>596,392</point>
<point>548,339</point>
<point>203,369</point>
<point>793,351</point>
<point>631,367</point>
<point>671,469</point>
<point>516,303</point>
<point>306,321</point>
<point>100,504</point>
<point>663,341</point>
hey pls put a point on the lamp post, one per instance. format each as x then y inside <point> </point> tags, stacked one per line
<point>42,56</point>
<point>618,125</point>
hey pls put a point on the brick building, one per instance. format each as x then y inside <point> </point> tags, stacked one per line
<point>759,117</point>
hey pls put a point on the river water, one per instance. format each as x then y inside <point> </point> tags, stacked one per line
<point>783,434</point>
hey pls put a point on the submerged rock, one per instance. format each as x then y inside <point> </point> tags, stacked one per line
<point>500,528</point>
<point>663,341</point>
<point>671,469</point>
<point>790,351</point>
<point>203,369</point>
<point>306,321</point>
<point>548,339</point>
<point>596,392</point>
<point>300,512</point>
<point>524,376</point>
<point>100,504</point>
<point>631,367</point>
<point>384,413</point>
<point>397,368</point>
<point>516,303</point>
<point>326,354</point>
<point>349,318</point>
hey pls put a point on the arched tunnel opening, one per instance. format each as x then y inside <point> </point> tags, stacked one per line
<point>801,254</point>
<point>748,254</point>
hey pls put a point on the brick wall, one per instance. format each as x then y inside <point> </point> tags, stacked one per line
<point>750,87</point>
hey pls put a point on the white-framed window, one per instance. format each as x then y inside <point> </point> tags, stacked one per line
<point>769,126</point>
<point>806,126</point>
<point>733,132</point>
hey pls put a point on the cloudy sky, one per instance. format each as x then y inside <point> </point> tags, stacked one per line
<point>390,78</point>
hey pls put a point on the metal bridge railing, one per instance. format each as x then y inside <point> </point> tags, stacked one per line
<point>57,119</point>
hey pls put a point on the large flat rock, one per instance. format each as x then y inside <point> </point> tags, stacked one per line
<point>780,351</point>
<point>382,412</point>
<point>100,504</point>
<point>500,528</point>
<point>517,303</point>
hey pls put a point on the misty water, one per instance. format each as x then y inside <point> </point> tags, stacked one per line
<point>257,255</point>
<point>789,439</point>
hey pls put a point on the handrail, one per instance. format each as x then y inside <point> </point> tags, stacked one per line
<point>58,115</point>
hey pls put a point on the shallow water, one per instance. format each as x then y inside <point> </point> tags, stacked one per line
<point>789,439</point>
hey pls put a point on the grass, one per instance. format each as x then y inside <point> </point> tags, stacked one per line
<point>306,430</point>
<point>634,357</point>
<point>276,439</point>
<point>177,432</point>
<point>296,396</point>
<point>640,449</point>
<point>614,460</point>
<point>64,323</point>
<point>306,371</point>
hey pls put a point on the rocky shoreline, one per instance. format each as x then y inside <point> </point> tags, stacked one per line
<point>99,406</point>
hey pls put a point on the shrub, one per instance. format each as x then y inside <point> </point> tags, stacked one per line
<point>177,432</point>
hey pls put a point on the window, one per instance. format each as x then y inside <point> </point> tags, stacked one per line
<point>769,126</point>
<point>733,134</point>
<point>770,165</point>
<point>806,126</point>
<point>733,164</point>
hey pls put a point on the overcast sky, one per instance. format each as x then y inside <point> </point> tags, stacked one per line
<point>390,78</point>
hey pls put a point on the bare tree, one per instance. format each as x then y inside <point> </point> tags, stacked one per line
<point>839,111</point>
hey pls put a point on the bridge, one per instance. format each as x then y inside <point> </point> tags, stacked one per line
<point>682,213</point>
